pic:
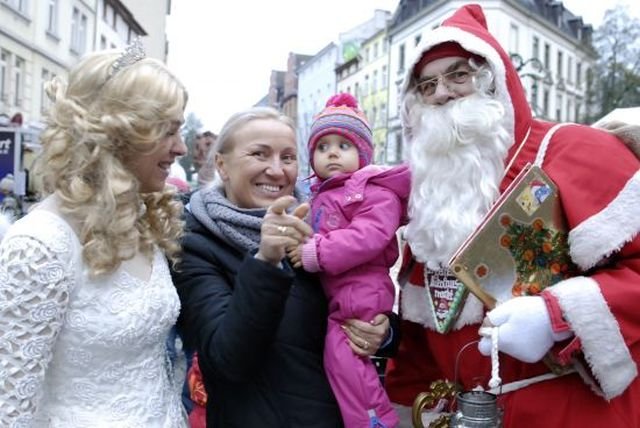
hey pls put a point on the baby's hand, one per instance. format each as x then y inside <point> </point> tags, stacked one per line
<point>295,256</point>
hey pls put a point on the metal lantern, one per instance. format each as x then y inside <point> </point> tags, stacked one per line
<point>477,409</point>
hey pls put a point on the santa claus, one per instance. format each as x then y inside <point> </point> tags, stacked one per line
<point>469,132</point>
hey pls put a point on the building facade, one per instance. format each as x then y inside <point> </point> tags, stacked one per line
<point>551,48</point>
<point>369,83</point>
<point>152,16</point>
<point>289,104</point>
<point>319,77</point>
<point>316,83</point>
<point>43,39</point>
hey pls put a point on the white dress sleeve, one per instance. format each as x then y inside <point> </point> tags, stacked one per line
<point>35,283</point>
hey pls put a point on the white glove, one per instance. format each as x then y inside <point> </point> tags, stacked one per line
<point>524,329</point>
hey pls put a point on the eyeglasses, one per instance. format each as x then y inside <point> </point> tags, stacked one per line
<point>450,80</point>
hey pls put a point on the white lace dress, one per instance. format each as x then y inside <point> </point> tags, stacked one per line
<point>77,351</point>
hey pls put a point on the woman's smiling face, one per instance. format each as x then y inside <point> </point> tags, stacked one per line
<point>261,165</point>
<point>152,169</point>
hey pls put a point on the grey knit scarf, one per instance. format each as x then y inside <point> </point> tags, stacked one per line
<point>238,226</point>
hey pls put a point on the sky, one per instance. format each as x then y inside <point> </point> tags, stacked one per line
<point>224,50</point>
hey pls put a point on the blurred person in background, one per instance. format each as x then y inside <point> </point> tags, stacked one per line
<point>203,157</point>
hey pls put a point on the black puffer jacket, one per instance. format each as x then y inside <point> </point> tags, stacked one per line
<point>259,331</point>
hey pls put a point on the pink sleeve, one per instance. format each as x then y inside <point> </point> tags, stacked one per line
<point>310,256</point>
<point>371,230</point>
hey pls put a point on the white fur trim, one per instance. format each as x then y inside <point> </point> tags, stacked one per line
<point>417,307</point>
<point>542,150</point>
<point>603,346</point>
<point>473,44</point>
<point>606,232</point>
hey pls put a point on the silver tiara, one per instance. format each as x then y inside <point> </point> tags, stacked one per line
<point>133,53</point>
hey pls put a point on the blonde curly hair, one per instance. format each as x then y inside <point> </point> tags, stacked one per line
<point>96,121</point>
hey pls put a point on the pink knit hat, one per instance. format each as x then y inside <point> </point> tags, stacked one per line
<point>342,116</point>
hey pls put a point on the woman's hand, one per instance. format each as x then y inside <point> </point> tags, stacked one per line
<point>280,230</point>
<point>365,338</point>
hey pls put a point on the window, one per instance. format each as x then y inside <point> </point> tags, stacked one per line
<point>52,17</point>
<point>398,156</point>
<point>534,94</point>
<point>374,82</point>
<point>4,75</point>
<point>391,149</point>
<point>569,69</point>
<point>578,75</point>
<point>103,42</point>
<point>83,32</point>
<point>383,114</point>
<point>75,28</point>
<point>21,6</point>
<point>547,55</point>
<point>384,47</point>
<point>78,31</point>
<point>383,77</point>
<point>401,59</point>
<point>569,112</point>
<point>44,100</point>
<point>578,108</point>
<point>559,107</point>
<point>131,35</point>
<point>375,50</point>
<point>365,89</point>
<point>366,55</point>
<point>121,27</point>
<point>536,48</point>
<point>109,15</point>
<point>514,38</point>
<point>18,74</point>
<point>374,117</point>
<point>545,103</point>
<point>559,65</point>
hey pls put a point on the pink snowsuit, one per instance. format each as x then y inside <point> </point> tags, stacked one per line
<point>355,218</point>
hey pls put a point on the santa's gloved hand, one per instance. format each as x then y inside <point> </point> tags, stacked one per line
<point>524,329</point>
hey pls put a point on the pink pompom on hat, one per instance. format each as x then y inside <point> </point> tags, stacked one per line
<point>342,116</point>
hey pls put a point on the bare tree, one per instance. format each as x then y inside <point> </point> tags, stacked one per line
<point>616,80</point>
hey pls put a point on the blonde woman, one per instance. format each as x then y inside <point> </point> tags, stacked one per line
<point>257,324</point>
<point>86,299</point>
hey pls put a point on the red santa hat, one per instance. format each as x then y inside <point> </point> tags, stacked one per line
<point>443,50</point>
<point>467,28</point>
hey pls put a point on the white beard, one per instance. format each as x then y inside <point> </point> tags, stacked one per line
<point>456,156</point>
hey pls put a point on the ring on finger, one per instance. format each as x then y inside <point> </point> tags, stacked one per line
<point>282,230</point>
<point>365,345</point>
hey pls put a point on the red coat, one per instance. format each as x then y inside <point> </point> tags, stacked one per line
<point>599,184</point>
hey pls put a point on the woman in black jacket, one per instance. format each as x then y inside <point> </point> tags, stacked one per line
<point>258,326</point>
